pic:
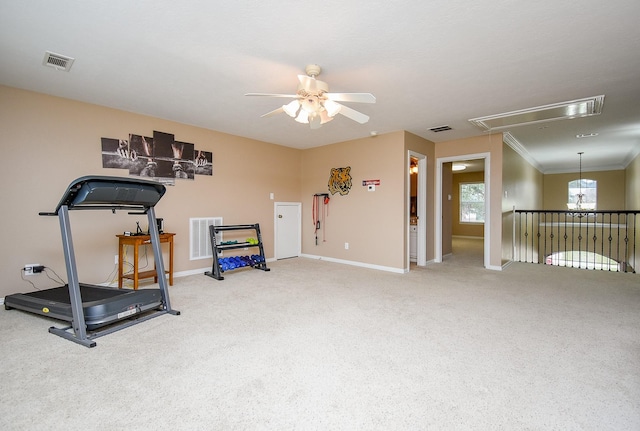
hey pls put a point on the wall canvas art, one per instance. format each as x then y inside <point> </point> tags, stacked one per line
<point>115,153</point>
<point>204,163</point>
<point>160,157</point>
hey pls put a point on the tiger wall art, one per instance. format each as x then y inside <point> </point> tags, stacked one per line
<point>340,180</point>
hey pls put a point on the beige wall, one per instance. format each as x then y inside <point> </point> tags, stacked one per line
<point>427,148</point>
<point>632,198</point>
<point>522,188</point>
<point>463,229</point>
<point>611,189</point>
<point>447,208</point>
<point>49,141</point>
<point>372,222</point>
<point>491,144</point>
<point>632,185</point>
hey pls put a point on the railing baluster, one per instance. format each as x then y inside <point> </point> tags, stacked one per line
<point>602,235</point>
<point>609,256</point>
<point>544,250</point>
<point>565,239</point>
<point>578,231</point>
<point>626,238</point>
<point>635,241</point>
<point>538,240</point>
<point>618,242</point>
<point>526,241</point>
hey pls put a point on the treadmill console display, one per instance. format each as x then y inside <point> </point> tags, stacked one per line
<point>111,192</point>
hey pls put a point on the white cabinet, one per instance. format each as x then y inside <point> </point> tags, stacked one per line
<point>413,243</point>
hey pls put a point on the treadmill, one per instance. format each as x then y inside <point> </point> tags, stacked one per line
<point>94,311</point>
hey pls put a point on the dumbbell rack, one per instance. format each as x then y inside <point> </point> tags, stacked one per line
<point>216,271</point>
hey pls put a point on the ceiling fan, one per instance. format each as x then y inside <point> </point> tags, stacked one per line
<point>314,105</point>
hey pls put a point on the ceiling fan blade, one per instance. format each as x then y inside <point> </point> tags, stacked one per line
<point>271,95</point>
<point>351,97</point>
<point>274,112</point>
<point>353,114</point>
<point>308,83</point>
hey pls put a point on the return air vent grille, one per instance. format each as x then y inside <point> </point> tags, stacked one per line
<point>57,61</point>
<point>440,129</point>
<point>200,243</point>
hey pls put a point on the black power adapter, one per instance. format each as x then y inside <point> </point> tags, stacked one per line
<point>37,269</point>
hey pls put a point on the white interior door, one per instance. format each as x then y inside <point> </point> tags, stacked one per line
<point>288,229</point>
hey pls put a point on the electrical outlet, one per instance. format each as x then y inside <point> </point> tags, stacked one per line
<point>346,246</point>
<point>28,268</point>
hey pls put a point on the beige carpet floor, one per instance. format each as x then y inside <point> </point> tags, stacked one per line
<point>314,345</point>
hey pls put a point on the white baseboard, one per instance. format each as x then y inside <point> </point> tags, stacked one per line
<point>353,263</point>
<point>191,272</point>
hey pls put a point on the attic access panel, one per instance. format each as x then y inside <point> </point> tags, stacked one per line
<point>557,111</point>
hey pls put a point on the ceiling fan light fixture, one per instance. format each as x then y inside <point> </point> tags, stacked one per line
<point>332,107</point>
<point>315,121</point>
<point>303,117</point>
<point>314,104</point>
<point>291,108</point>
<point>324,117</point>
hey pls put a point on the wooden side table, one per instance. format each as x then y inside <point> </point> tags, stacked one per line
<point>136,241</point>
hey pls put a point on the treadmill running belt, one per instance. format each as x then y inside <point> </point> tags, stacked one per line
<point>101,305</point>
<point>88,293</point>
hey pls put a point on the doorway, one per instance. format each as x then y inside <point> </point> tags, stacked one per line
<point>287,229</point>
<point>416,209</point>
<point>443,206</point>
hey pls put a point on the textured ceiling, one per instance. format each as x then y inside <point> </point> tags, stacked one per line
<point>429,63</point>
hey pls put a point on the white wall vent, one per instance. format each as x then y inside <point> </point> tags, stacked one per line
<point>57,61</point>
<point>200,244</point>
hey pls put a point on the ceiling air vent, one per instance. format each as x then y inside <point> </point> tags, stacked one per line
<point>440,129</point>
<point>57,61</point>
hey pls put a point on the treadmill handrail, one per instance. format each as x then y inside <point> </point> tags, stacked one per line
<point>139,210</point>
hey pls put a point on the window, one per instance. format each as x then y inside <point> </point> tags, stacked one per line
<point>589,191</point>
<point>471,202</point>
